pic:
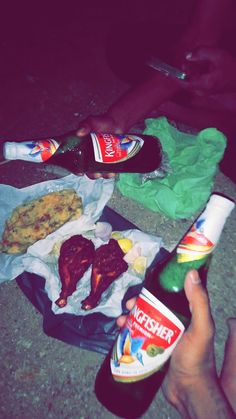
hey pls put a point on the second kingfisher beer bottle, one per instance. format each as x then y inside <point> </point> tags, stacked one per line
<point>92,153</point>
<point>134,370</point>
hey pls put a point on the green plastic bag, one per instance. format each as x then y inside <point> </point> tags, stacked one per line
<point>193,161</point>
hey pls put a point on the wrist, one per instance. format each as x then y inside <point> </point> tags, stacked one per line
<point>203,397</point>
<point>138,103</point>
<point>116,116</point>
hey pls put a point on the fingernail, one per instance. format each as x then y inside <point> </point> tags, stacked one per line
<point>93,176</point>
<point>81,131</point>
<point>194,277</point>
<point>188,56</point>
<point>109,175</point>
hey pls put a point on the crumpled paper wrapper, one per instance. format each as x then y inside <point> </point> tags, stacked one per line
<point>42,257</point>
<point>94,193</point>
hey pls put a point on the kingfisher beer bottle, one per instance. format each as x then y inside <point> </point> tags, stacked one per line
<point>134,370</point>
<point>92,153</point>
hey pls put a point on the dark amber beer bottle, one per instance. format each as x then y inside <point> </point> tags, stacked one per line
<point>134,370</point>
<point>95,152</point>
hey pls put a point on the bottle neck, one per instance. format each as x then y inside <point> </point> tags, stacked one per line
<point>41,150</point>
<point>68,143</point>
<point>197,245</point>
<point>204,234</point>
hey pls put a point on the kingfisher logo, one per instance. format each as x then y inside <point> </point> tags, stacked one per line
<point>153,326</point>
<point>109,148</point>
<point>153,323</point>
<point>109,151</point>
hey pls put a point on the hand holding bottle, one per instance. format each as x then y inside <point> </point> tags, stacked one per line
<point>101,123</point>
<point>192,363</point>
<point>193,357</point>
<point>191,384</point>
<point>94,154</point>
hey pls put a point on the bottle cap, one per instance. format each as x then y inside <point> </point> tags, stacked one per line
<point>222,202</point>
<point>9,151</point>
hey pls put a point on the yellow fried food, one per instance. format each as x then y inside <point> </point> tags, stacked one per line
<point>36,219</point>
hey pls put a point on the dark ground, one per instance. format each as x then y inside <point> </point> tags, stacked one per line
<point>53,73</point>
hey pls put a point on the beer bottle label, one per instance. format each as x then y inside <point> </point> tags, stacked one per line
<point>34,151</point>
<point>115,148</point>
<point>200,241</point>
<point>146,341</point>
<point>41,150</point>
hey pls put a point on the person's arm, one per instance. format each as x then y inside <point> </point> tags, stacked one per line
<point>207,23</point>
<point>205,28</point>
<point>139,102</point>
<point>210,19</point>
<point>133,106</point>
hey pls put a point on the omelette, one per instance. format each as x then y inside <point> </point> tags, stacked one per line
<point>35,219</point>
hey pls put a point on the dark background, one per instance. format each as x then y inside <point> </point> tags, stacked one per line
<point>54,59</point>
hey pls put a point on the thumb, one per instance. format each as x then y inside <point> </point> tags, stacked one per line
<point>204,54</point>
<point>202,322</point>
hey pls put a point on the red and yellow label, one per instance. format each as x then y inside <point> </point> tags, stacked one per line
<point>42,150</point>
<point>146,342</point>
<point>195,245</point>
<point>110,148</point>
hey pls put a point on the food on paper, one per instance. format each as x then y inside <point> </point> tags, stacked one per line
<point>133,253</point>
<point>35,219</point>
<point>76,255</point>
<point>107,266</point>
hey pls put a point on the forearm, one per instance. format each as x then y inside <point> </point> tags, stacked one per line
<point>140,101</point>
<point>208,21</point>
<point>204,400</point>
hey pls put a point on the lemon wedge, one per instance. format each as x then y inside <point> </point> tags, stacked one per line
<point>117,235</point>
<point>140,265</point>
<point>125,244</point>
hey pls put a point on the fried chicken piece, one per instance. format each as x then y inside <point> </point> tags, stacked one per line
<point>76,255</point>
<point>107,266</point>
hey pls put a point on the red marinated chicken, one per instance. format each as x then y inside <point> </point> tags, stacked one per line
<point>107,266</point>
<point>76,255</point>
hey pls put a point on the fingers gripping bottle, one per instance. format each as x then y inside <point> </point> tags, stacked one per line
<point>134,370</point>
<point>95,152</point>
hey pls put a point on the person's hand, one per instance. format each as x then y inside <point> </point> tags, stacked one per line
<point>193,358</point>
<point>191,384</point>
<point>217,74</point>
<point>102,123</point>
<point>193,361</point>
